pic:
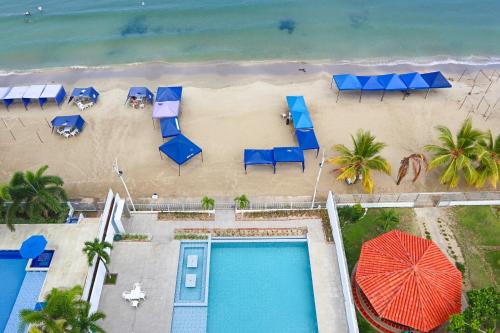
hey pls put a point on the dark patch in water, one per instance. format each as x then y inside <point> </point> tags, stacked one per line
<point>135,26</point>
<point>358,19</point>
<point>288,25</point>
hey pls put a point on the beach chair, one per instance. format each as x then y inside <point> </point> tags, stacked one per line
<point>80,105</point>
<point>74,132</point>
<point>126,295</point>
<point>66,134</point>
<point>60,131</point>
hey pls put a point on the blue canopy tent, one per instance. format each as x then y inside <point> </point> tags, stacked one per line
<point>75,121</point>
<point>345,82</point>
<point>296,103</point>
<point>164,94</point>
<point>307,139</point>
<point>391,82</point>
<point>140,93</point>
<point>258,157</point>
<point>33,247</point>
<point>301,120</point>
<point>288,155</point>
<point>180,149</point>
<point>369,83</point>
<point>33,92</point>
<point>435,80</point>
<point>14,93</point>
<point>84,93</point>
<point>169,127</point>
<point>413,81</point>
<point>52,91</point>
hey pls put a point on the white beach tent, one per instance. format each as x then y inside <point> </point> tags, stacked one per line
<point>33,92</point>
<point>52,91</point>
<point>16,93</point>
<point>4,91</point>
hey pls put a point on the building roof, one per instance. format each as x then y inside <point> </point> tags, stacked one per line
<point>408,280</point>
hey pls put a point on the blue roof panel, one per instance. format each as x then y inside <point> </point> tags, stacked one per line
<point>347,82</point>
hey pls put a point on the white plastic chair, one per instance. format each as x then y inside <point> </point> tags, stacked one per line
<point>74,132</point>
<point>134,304</point>
<point>126,295</point>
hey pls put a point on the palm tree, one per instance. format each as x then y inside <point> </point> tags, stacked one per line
<point>417,160</point>
<point>359,162</point>
<point>98,248</point>
<point>489,161</point>
<point>36,194</point>
<point>457,155</point>
<point>84,321</point>
<point>242,201</point>
<point>388,219</point>
<point>207,203</point>
<point>5,196</point>
<point>60,309</point>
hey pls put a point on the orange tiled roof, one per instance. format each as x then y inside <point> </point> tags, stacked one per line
<point>408,280</point>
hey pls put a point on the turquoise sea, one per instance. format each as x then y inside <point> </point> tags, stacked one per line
<point>95,33</point>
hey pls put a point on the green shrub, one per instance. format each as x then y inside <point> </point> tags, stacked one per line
<point>135,237</point>
<point>461,267</point>
<point>350,214</point>
<point>180,235</point>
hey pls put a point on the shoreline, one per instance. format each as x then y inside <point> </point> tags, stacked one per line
<point>444,63</point>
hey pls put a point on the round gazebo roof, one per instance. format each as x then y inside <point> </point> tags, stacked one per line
<point>408,280</point>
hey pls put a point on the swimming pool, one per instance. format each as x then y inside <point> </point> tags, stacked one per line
<point>21,285</point>
<point>13,268</point>
<point>253,286</point>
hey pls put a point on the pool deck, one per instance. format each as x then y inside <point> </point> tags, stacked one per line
<point>154,264</point>
<point>69,265</point>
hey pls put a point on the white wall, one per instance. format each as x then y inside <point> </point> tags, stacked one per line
<point>352,322</point>
<point>115,225</point>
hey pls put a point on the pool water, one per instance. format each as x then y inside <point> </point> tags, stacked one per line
<point>196,294</point>
<point>12,272</point>
<point>261,287</point>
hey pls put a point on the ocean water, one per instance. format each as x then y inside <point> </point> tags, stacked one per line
<point>96,33</point>
<point>261,287</point>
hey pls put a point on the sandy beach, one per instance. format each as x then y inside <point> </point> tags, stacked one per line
<point>226,108</point>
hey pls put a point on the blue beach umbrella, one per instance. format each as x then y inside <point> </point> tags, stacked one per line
<point>33,247</point>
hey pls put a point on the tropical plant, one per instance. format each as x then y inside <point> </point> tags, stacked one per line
<point>350,214</point>
<point>481,315</point>
<point>84,321</point>
<point>387,219</point>
<point>34,194</point>
<point>207,203</point>
<point>359,162</point>
<point>489,161</point>
<point>457,154</point>
<point>417,160</point>
<point>61,306</point>
<point>63,312</point>
<point>99,249</point>
<point>242,201</point>
<point>5,196</point>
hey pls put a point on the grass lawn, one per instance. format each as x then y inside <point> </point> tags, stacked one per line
<point>355,234</point>
<point>477,230</point>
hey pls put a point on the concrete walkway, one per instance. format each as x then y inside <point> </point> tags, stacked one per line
<point>154,264</point>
